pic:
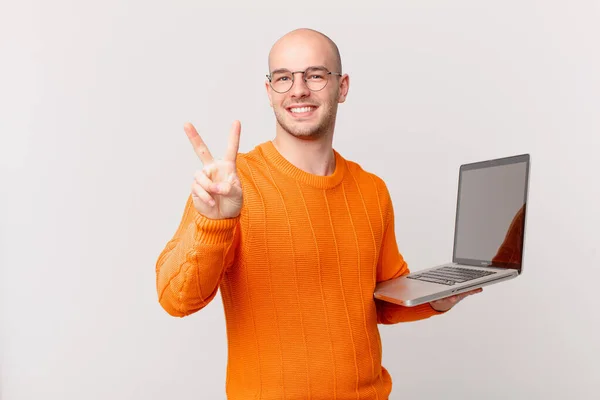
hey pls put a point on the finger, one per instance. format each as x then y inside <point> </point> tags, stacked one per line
<point>475,291</point>
<point>469,293</point>
<point>199,192</point>
<point>210,170</point>
<point>227,188</point>
<point>234,180</point>
<point>198,144</point>
<point>205,182</point>
<point>233,145</point>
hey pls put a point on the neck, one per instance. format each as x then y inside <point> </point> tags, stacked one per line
<point>314,156</point>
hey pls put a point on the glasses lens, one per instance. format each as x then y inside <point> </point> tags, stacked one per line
<point>316,78</point>
<point>281,81</point>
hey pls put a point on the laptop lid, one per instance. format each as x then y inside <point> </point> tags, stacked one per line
<point>490,215</point>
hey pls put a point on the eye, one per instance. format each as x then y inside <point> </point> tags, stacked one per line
<point>315,74</point>
<point>279,77</point>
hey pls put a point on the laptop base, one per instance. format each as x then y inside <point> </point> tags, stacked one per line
<point>410,292</point>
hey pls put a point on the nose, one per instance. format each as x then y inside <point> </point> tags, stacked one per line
<point>299,88</point>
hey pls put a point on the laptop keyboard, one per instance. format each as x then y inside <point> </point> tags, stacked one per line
<point>450,275</point>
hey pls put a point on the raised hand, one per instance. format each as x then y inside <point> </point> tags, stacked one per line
<point>216,190</point>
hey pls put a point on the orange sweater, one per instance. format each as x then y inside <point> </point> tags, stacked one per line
<point>296,272</point>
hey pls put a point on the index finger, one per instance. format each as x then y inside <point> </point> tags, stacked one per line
<point>234,142</point>
<point>198,144</point>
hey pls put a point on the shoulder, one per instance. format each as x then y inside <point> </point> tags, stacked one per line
<point>251,160</point>
<point>371,185</point>
<point>366,177</point>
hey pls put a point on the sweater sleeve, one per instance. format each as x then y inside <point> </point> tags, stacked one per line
<point>190,267</point>
<point>391,265</point>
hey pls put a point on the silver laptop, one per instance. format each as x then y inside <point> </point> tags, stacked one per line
<point>489,235</point>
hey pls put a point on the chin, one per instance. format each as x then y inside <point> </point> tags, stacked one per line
<point>306,133</point>
<point>304,130</point>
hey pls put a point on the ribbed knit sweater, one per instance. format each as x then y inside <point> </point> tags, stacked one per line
<point>296,271</point>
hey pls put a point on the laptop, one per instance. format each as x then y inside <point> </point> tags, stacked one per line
<point>489,235</point>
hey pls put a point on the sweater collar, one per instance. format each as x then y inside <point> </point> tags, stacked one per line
<point>281,164</point>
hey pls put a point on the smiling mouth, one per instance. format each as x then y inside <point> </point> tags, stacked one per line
<point>301,110</point>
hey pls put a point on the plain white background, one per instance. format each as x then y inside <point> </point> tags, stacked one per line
<point>96,169</point>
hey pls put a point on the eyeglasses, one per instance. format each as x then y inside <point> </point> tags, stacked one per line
<point>316,78</point>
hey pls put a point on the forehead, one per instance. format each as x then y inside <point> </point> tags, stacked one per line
<point>298,53</point>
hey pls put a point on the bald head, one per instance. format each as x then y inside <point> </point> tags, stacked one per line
<point>306,44</point>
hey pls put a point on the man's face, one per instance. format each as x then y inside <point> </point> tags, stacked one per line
<point>302,112</point>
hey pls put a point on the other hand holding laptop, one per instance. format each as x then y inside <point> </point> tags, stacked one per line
<point>445,304</point>
<point>489,238</point>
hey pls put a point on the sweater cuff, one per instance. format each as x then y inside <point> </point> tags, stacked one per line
<point>422,311</point>
<point>393,313</point>
<point>214,231</point>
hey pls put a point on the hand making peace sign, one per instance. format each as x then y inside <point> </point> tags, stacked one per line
<point>216,190</point>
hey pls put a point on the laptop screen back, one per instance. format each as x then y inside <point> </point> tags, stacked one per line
<point>491,207</point>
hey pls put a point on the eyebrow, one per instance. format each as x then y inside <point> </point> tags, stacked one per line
<point>310,66</point>
<point>279,70</point>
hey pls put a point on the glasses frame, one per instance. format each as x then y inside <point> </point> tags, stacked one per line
<point>270,77</point>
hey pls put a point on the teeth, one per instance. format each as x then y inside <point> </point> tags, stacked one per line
<point>301,109</point>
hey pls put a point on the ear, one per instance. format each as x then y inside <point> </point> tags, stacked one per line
<point>269,93</point>
<point>344,87</point>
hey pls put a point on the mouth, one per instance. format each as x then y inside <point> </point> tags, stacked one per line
<point>301,111</point>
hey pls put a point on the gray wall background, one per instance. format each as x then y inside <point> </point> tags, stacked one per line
<point>96,169</point>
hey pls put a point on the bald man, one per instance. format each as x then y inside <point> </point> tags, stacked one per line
<point>294,237</point>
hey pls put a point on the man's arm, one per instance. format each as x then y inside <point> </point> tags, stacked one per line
<point>390,313</point>
<point>391,265</point>
<point>191,266</point>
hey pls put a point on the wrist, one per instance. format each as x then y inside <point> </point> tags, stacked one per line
<point>215,230</point>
